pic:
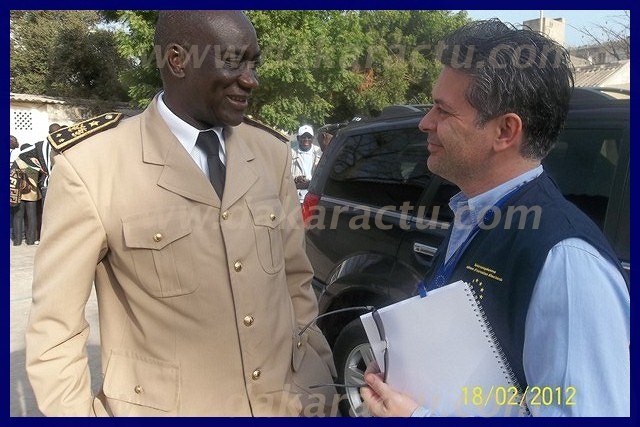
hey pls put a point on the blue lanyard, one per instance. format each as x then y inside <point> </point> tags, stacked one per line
<point>445,270</point>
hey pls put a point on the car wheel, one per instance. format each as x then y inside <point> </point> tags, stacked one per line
<point>352,353</point>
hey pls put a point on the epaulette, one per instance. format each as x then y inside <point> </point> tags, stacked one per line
<point>253,122</point>
<point>69,136</point>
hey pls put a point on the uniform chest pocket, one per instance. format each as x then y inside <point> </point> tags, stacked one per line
<point>267,215</point>
<point>162,248</point>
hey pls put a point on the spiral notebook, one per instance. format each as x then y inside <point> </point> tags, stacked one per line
<point>443,354</point>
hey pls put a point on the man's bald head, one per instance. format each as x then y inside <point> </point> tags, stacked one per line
<point>207,61</point>
<point>187,27</point>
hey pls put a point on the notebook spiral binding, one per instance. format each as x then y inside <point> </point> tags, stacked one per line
<point>509,375</point>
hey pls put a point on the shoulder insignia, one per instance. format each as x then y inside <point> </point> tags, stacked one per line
<point>253,122</point>
<point>69,136</point>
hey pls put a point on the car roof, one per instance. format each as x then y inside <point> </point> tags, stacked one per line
<point>583,98</point>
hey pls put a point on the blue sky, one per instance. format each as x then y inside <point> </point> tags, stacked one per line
<point>574,19</point>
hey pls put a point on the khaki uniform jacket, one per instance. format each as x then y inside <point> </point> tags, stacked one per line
<point>200,301</point>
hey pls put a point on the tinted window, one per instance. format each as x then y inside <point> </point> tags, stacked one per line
<point>439,209</point>
<point>380,169</point>
<point>583,164</point>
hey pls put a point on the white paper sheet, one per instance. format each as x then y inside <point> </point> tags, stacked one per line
<point>442,353</point>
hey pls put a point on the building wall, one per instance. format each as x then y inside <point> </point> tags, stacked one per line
<point>28,122</point>
<point>31,115</point>
<point>553,27</point>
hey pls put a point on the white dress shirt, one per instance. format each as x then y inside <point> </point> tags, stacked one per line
<point>187,135</point>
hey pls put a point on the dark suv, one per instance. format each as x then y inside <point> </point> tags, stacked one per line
<point>376,216</point>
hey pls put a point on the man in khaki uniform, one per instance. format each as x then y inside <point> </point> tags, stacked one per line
<point>201,297</point>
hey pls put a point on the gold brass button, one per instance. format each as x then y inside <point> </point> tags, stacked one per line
<point>248,320</point>
<point>225,215</point>
<point>138,389</point>
<point>237,266</point>
<point>157,237</point>
<point>256,374</point>
<point>273,217</point>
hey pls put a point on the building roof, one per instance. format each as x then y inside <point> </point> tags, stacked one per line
<point>121,107</point>
<point>39,99</point>
<point>600,74</point>
<point>578,62</point>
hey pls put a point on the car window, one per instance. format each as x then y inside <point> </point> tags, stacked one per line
<point>583,164</point>
<point>439,209</point>
<point>381,168</point>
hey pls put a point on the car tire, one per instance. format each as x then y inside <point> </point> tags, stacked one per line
<point>352,353</point>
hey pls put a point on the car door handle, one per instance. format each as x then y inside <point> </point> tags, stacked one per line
<point>419,248</point>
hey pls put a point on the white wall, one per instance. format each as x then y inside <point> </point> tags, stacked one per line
<point>29,123</point>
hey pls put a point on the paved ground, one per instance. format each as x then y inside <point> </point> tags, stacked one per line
<point>22,400</point>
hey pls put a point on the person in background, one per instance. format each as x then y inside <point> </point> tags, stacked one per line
<point>326,134</point>
<point>324,139</point>
<point>305,158</point>
<point>187,220</point>
<point>26,215</point>
<point>44,157</point>
<point>14,150</point>
<point>557,298</point>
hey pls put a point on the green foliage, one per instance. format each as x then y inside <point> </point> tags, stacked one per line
<point>134,37</point>
<point>64,53</point>
<point>329,66</point>
<point>320,66</point>
<point>308,56</point>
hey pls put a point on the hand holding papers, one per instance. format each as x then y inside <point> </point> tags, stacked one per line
<point>440,351</point>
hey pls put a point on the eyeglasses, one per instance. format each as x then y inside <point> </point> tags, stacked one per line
<point>384,369</point>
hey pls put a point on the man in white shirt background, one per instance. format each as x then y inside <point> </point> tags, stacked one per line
<point>304,159</point>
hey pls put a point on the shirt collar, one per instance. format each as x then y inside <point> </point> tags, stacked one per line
<point>486,200</point>
<point>183,131</point>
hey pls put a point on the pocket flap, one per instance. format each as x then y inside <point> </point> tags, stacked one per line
<point>156,230</point>
<point>142,381</point>
<point>266,212</point>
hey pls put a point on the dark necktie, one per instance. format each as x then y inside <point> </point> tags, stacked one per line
<point>208,141</point>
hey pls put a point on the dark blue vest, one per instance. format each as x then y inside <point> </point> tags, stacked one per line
<point>502,263</point>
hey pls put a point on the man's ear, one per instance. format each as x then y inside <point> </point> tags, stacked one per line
<point>176,60</point>
<point>509,132</point>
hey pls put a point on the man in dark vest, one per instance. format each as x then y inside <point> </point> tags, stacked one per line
<point>548,282</point>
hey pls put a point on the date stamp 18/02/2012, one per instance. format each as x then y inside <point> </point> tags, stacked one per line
<point>511,396</point>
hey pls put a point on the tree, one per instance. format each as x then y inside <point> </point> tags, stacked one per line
<point>64,53</point>
<point>307,71</point>
<point>319,65</point>
<point>332,65</point>
<point>401,63</point>
<point>613,36</point>
<point>134,37</point>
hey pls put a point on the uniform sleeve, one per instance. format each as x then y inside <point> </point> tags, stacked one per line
<point>299,271</point>
<point>72,243</point>
<point>576,350</point>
